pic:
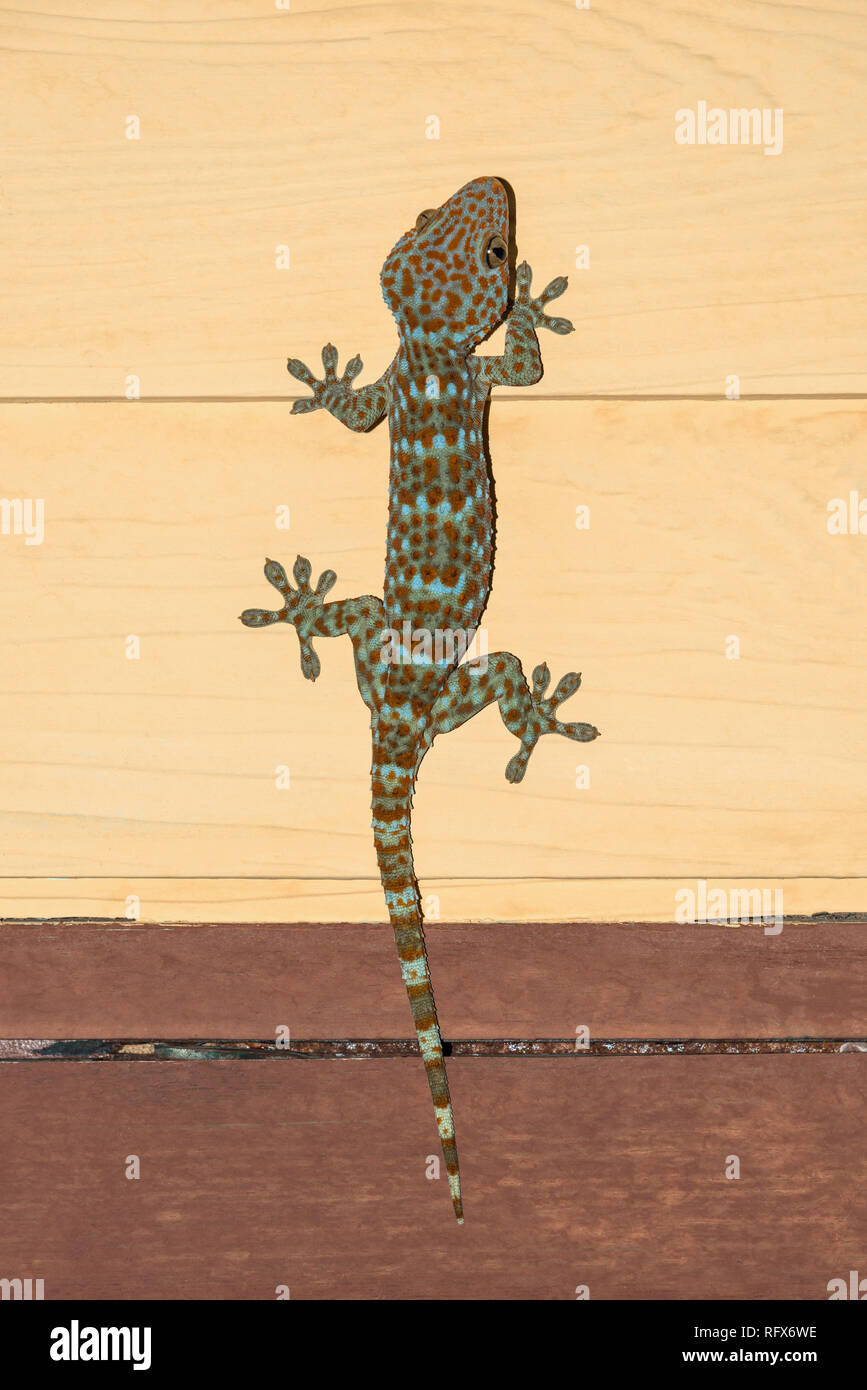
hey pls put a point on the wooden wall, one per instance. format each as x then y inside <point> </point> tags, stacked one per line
<point>140,793</point>
<point>308,127</point>
<point>707,521</point>
<point>314,1167</point>
<point>155,258</point>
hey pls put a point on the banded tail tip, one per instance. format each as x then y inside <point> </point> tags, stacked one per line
<point>457,1202</point>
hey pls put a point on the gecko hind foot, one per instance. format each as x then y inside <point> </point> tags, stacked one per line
<point>543,719</point>
<point>302,606</point>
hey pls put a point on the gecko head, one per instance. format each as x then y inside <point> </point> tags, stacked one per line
<point>447,280</point>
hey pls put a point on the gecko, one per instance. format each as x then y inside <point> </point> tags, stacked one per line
<point>449,281</point>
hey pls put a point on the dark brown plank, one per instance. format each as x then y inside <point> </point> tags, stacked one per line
<point>311,1174</point>
<point>79,980</point>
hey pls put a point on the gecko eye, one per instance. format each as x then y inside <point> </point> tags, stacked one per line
<point>425,218</point>
<point>495,252</point>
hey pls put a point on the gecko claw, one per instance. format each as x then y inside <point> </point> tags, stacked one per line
<point>559,285</point>
<point>325,582</point>
<point>582,733</point>
<point>310,663</point>
<point>517,766</point>
<point>565,687</point>
<point>301,571</point>
<point>276,575</point>
<point>541,680</point>
<point>258,617</point>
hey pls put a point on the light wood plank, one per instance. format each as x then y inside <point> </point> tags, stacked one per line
<point>306,128</point>
<point>706,521</point>
<point>500,898</point>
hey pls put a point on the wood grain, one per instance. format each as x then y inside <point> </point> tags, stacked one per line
<point>608,1174</point>
<point>298,900</point>
<point>147,787</point>
<point>706,521</point>
<point>216,980</point>
<point>306,128</point>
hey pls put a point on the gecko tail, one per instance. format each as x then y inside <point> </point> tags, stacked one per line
<point>413,961</point>
<point>394,855</point>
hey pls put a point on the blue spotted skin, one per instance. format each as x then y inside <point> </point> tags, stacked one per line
<point>447,282</point>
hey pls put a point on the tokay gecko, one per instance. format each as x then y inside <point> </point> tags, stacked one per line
<point>449,282</point>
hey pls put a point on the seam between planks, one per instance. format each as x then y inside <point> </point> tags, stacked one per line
<point>506,396</point>
<point>132,923</point>
<point>18,1050</point>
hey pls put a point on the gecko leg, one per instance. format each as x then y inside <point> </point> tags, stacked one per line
<point>521,362</point>
<point>362,619</point>
<point>526,713</point>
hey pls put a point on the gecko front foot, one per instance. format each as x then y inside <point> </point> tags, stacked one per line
<point>302,607</point>
<point>543,719</point>
<point>331,391</point>
<point>535,308</point>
